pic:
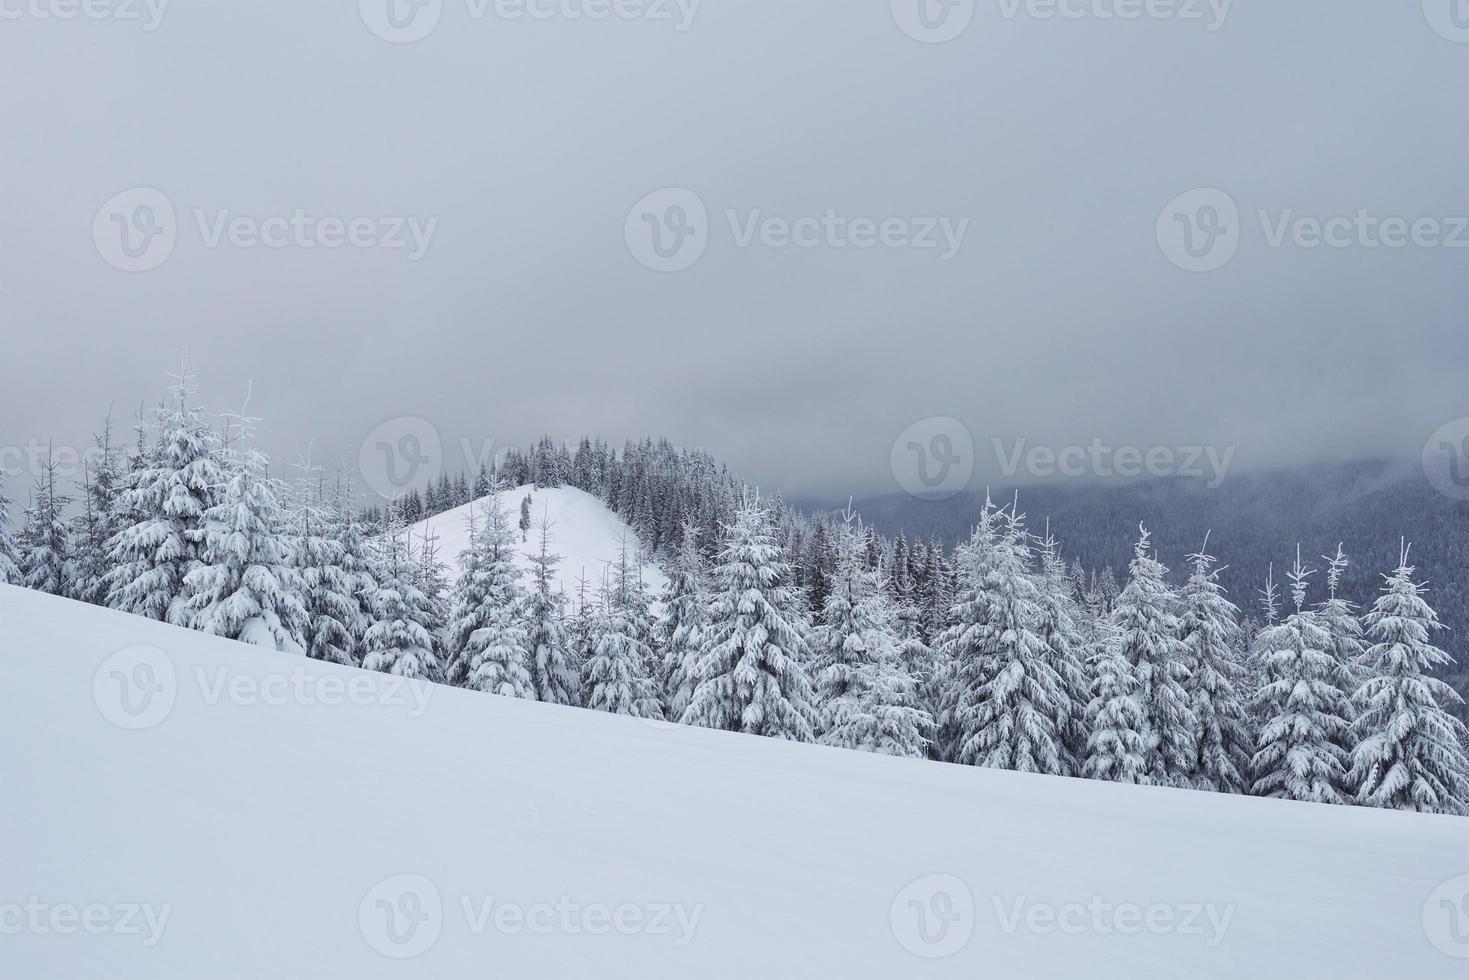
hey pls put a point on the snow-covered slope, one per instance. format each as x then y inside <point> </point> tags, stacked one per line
<point>586,535</point>
<point>175,806</point>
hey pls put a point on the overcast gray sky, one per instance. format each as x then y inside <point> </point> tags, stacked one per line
<point>1062,307</point>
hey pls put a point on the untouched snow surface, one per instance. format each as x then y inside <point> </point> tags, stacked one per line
<point>586,535</point>
<point>179,807</point>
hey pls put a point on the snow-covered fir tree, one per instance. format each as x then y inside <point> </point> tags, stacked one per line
<point>244,586</point>
<point>1147,634</point>
<point>1120,742</point>
<point>488,648</point>
<point>1209,627</point>
<point>682,628</point>
<point>334,582</point>
<point>754,674</point>
<point>47,561</point>
<point>9,567</point>
<point>555,673</point>
<point>1339,618</point>
<point>1012,710</point>
<point>400,640</point>
<point>170,488</point>
<point>615,678</point>
<point>98,520</point>
<point>1410,751</point>
<point>1301,753</point>
<point>1060,630</point>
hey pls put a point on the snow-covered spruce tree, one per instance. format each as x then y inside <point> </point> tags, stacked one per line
<point>1410,751</point>
<point>431,578</point>
<point>244,586</point>
<point>615,677</point>
<point>161,531</point>
<point>1301,753</point>
<point>1119,740</point>
<point>96,524</point>
<point>856,631</point>
<point>1060,630</point>
<point>9,567</point>
<point>753,676</point>
<point>332,584</point>
<point>555,673</point>
<point>47,563</point>
<point>1339,618</point>
<point>685,619</point>
<point>1019,714</point>
<point>487,644</point>
<point>965,667</point>
<point>400,640</point>
<point>1147,634</point>
<point>1211,634</point>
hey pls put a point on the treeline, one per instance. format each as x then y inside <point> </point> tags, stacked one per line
<point>993,654</point>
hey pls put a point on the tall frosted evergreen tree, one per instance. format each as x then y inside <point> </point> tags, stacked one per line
<point>1019,713</point>
<point>9,568</point>
<point>1209,626</point>
<point>754,676</point>
<point>966,664</point>
<point>1339,618</point>
<point>488,647</point>
<point>1060,629</point>
<point>555,673</point>
<point>682,629</point>
<point>171,488</point>
<point>244,585</point>
<point>335,582</point>
<point>1147,634</point>
<point>616,677</point>
<point>1119,740</point>
<point>399,640</point>
<point>1301,753</point>
<point>47,562</point>
<point>98,521</point>
<point>1410,751</point>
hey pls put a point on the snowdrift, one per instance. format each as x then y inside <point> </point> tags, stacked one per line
<point>178,806</point>
<point>586,535</point>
